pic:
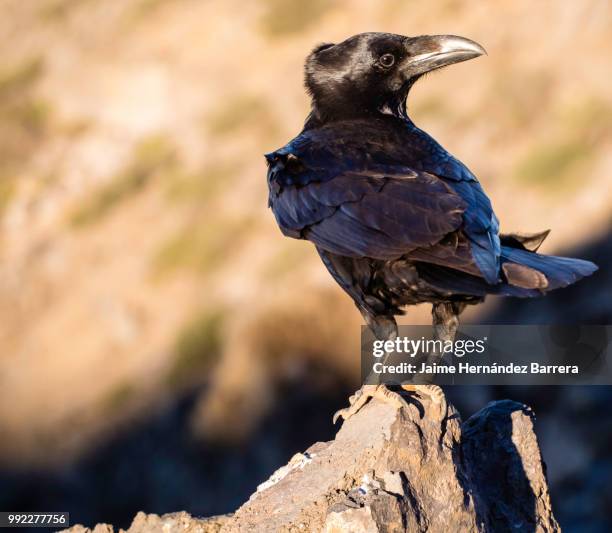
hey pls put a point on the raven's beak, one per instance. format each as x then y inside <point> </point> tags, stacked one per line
<point>431,52</point>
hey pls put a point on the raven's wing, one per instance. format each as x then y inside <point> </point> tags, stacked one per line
<point>381,213</point>
<point>481,226</point>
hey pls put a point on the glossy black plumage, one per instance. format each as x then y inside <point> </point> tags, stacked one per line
<point>396,219</point>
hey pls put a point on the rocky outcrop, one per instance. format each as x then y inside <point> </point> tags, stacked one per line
<point>393,470</point>
<point>146,523</point>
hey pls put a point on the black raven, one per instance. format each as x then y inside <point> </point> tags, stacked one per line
<point>395,218</point>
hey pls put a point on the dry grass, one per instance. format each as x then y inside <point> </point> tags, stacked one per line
<point>20,77</point>
<point>24,119</point>
<point>23,115</point>
<point>197,346</point>
<point>202,244</point>
<point>285,17</point>
<point>290,257</point>
<point>151,156</point>
<point>242,111</point>
<point>521,99</point>
<point>117,398</point>
<point>559,161</point>
<point>143,8</point>
<point>7,189</point>
<point>553,162</point>
<point>201,186</point>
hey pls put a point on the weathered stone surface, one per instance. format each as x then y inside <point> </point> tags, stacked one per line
<point>391,470</point>
<point>506,469</point>
<point>169,523</point>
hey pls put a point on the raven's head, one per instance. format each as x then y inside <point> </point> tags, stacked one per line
<point>372,73</point>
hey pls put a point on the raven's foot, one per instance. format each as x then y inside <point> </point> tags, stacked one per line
<point>363,395</point>
<point>382,392</point>
<point>438,403</point>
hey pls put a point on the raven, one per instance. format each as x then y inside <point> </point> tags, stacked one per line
<point>395,218</point>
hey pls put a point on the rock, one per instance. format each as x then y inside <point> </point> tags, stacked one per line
<point>391,470</point>
<point>169,523</point>
<point>510,478</point>
<point>100,528</point>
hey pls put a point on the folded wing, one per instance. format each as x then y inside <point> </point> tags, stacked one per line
<point>382,214</point>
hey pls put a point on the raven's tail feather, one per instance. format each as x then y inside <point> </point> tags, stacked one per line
<point>530,270</point>
<point>527,274</point>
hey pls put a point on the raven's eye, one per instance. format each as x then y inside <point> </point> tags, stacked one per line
<point>387,60</point>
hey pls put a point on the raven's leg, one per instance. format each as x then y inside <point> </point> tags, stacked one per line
<point>382,392</point>
<point>383,327</point>
<point>445,322</point>
<point>446,319</point>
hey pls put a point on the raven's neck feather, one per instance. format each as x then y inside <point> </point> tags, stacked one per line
<point>326,110</point>
<point>319,117</point>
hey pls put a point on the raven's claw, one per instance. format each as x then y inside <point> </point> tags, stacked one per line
<point>383,393</point>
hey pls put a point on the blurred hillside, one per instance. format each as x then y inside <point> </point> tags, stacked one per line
<point>138,260</point>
